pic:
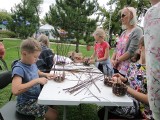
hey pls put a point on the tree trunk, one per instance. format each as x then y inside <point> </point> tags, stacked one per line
<point>77,45</point>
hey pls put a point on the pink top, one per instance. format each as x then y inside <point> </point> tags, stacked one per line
<point>100,48</point>
<point>120,50</point>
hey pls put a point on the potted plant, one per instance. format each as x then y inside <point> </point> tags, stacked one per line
<point>88,46</point>
<point>89,42</point>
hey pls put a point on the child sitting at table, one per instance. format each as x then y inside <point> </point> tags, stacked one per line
<point>45,61</point>
<point>26,82</point>
<point>137,90</point>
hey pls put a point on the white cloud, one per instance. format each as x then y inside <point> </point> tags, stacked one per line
<point>7,4</point>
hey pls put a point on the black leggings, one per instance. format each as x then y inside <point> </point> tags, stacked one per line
<point>110,115</point>
<point>100,67</point>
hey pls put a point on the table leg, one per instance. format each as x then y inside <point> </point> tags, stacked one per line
<point>64,113</point>
<point>106,114</point>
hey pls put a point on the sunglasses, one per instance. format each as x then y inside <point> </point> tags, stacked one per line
<point>123,15</point>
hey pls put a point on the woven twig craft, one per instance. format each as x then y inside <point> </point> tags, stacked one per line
<point>60,77</point>
<point>107,81</point>
<point>119,89</point>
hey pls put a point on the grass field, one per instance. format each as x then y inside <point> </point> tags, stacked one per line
<point>85,112</point>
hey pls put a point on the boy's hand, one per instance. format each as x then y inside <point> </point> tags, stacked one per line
<point>50,76</point>
<point>42,80</point>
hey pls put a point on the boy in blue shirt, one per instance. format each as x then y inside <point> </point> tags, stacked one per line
<point>26,82</point>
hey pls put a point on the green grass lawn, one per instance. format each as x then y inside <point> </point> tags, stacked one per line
<point>85,112</point>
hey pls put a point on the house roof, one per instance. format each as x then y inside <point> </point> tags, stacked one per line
<point>2,26</point>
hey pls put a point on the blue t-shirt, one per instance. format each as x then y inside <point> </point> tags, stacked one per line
<point>28,73</point>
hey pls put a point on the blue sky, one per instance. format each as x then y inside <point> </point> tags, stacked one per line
<point>7,4</point>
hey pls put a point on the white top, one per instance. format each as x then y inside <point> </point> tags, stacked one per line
<point>62,58</point>
<point>53,93</point>
<point>152,51</point>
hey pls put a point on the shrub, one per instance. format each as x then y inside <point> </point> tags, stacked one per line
<point>7,34</point>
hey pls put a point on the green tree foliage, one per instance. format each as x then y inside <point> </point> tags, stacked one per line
<point>5,16</point>
<point>25,17</point>
<point>115,27</point>
<point>73,17</point>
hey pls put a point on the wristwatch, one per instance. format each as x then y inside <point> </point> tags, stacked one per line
<point>126,80</point>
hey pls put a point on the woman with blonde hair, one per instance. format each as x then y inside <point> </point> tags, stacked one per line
<point>128,41</point>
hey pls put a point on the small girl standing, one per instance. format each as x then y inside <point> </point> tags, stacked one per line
<point>101,52</point>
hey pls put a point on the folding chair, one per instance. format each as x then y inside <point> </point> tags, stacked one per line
<point>8,111</point>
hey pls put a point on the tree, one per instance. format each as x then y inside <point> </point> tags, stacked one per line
<point>73,17</point>
<point>26,17</point>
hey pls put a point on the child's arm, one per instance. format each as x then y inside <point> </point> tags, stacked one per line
<point>92,58</point>
<point>137,95</point>
<point>41,74</point>
<point>46,75</point>
<point>93,55</point>
<point>18,87</point>
<point>113,56</point>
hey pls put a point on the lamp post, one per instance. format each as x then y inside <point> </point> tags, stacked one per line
<point>110,17</point>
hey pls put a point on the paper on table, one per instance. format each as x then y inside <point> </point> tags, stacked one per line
<point>62,58</point>
<point>72,67</point>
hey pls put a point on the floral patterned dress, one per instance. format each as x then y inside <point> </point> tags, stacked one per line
<point>152,41</point>
<point>137,79</point>
<point>136,75</point>
<point>120,50</point>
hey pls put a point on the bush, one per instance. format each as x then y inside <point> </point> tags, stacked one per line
<point>53,40</point>
<point>71,41</point>
<point>7,34</point>
<point>89,40</point>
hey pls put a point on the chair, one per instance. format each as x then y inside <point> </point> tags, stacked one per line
<point>8,111</point>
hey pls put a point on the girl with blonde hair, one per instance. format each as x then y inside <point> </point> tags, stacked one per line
<point>101,52</point>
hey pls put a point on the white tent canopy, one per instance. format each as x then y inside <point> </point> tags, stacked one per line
<point>46,27</point>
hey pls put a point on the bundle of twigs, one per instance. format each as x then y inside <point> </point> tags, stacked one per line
<point>62,49</point>
<point>83,85</point>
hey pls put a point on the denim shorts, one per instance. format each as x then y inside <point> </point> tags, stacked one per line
<point>31,107</point>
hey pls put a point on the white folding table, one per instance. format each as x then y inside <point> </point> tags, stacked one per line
<point>54,93</point>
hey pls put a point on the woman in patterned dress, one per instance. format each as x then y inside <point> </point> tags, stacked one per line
<point>128,41</point>
<point>136,89</point>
